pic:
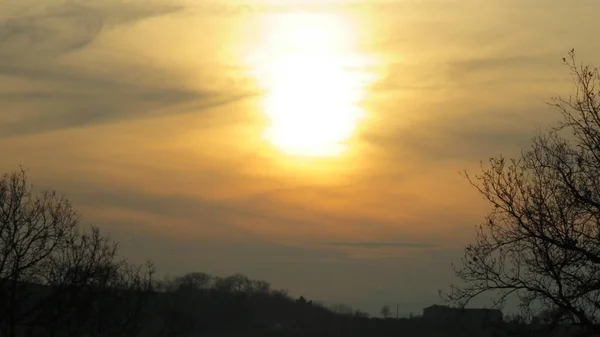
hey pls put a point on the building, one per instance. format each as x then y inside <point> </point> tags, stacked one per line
<point>469,316</point>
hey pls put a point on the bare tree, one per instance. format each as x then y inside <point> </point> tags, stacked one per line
<point>554,316</point>
<point>361,314</point>
<point>541,242</point>
<point>342,309</point>
<point>238,283</point>
<point>55,278</point>
<point>194,280</point>
<point>385,311</point>
<point>261,287</point>
<point>32,227</point>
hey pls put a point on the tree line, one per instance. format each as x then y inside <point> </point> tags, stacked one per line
<point>58,278</point>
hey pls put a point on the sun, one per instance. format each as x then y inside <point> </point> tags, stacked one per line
<point>312,106</point>
<point>312,88</point>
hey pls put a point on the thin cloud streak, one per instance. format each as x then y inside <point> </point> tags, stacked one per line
<point>66,27</point>
<point>383,244</point>
<point>64,96</point>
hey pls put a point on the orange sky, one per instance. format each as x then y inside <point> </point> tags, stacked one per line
<point>315,145</point>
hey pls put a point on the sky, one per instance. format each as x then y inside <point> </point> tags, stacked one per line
<point>313,144</point>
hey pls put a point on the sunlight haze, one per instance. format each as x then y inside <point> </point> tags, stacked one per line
<point>313,144</point>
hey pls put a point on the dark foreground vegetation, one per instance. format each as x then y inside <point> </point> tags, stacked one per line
<point>58,278</point>
<point>540,244</point>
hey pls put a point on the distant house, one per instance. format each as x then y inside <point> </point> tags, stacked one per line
<point>470,316</point>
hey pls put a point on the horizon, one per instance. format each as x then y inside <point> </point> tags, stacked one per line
<point>316,145</point>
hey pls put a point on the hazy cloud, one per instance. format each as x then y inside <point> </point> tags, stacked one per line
<point>56,94</point>
<point>383,244</point>
<point>55,28</point>
<point>311,6</point>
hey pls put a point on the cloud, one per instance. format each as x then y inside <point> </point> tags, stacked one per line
<point>206,212</point>
<point>383,244</point>
<point>539,68</point>
<point>467,137</point>
<point>307,6</point>
<point>57,28</point>
<point>513,61</point>
<point>120,102</point>
<point>211,205</point>
<point>42,92</point>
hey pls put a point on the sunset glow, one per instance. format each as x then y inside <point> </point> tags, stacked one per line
<point>313,144</point>
<point>313,85</point>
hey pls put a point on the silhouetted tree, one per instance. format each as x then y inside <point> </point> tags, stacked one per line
<point>342,309</point>
<point>554,316</point>
<point>54,277</point>
<point>360,314</point>
<point>261,287</point>
<point>541,241</point>
<point>194,280</point>
<point>385,311</point>
<point>516,319</point>
<point>281,294</point>
<point>235,283</point>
